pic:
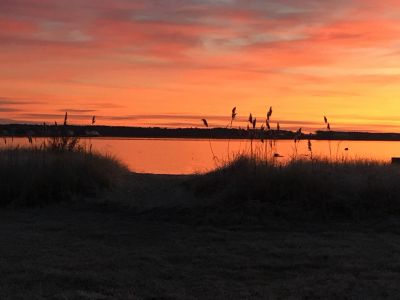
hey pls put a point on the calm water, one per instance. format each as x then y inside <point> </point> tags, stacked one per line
<point>185,156</point>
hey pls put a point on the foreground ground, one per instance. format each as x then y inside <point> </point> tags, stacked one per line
<point>152,246</point>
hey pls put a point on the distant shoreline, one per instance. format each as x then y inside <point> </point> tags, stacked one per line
<point>24,130</point>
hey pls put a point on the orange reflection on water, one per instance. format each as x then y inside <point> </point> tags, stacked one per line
<point>186,156</point>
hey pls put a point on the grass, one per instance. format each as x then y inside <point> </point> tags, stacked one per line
<point>318,188</point>
<point>234,233</point>
<point>166,251</point>
<point>38,176</point>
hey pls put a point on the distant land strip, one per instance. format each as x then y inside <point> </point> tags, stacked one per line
<point>29,130</point>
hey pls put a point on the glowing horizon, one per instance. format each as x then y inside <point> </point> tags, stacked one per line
<point>170,63</point>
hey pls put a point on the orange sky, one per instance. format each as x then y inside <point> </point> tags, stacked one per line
<point>170,63</point>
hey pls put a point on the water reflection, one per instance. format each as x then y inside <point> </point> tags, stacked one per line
<point>185,156</point>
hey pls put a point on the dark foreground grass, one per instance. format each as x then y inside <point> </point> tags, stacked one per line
<point>33,176</point>
<point>230,234</point>
<point>92,252</point>
<point>305,188</point>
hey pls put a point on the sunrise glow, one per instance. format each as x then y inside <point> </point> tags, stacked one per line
<point>170,63</point>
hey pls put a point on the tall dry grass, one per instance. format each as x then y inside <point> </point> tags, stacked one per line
<point>316,188</point>
<point>263,141</point>
<point>39,176</point>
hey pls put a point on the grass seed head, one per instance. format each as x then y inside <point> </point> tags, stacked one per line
<point>65,118</point>
<point>233,116</point>
<point>269,113</point>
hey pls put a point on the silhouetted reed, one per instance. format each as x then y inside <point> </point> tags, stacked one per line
<point>233,117</point>
<point>215,158</point>
<point>328,128</point>
<point>63,139</point>
<point>269,138</point>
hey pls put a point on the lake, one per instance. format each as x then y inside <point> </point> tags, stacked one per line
<point>186,156</point>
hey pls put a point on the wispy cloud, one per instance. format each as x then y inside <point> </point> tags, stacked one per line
<point>12,102</point>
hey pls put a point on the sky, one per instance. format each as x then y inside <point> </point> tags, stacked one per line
<point>170,63</point>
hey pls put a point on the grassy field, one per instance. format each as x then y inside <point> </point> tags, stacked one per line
<point>214,236</point>
<point>66,253</point>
